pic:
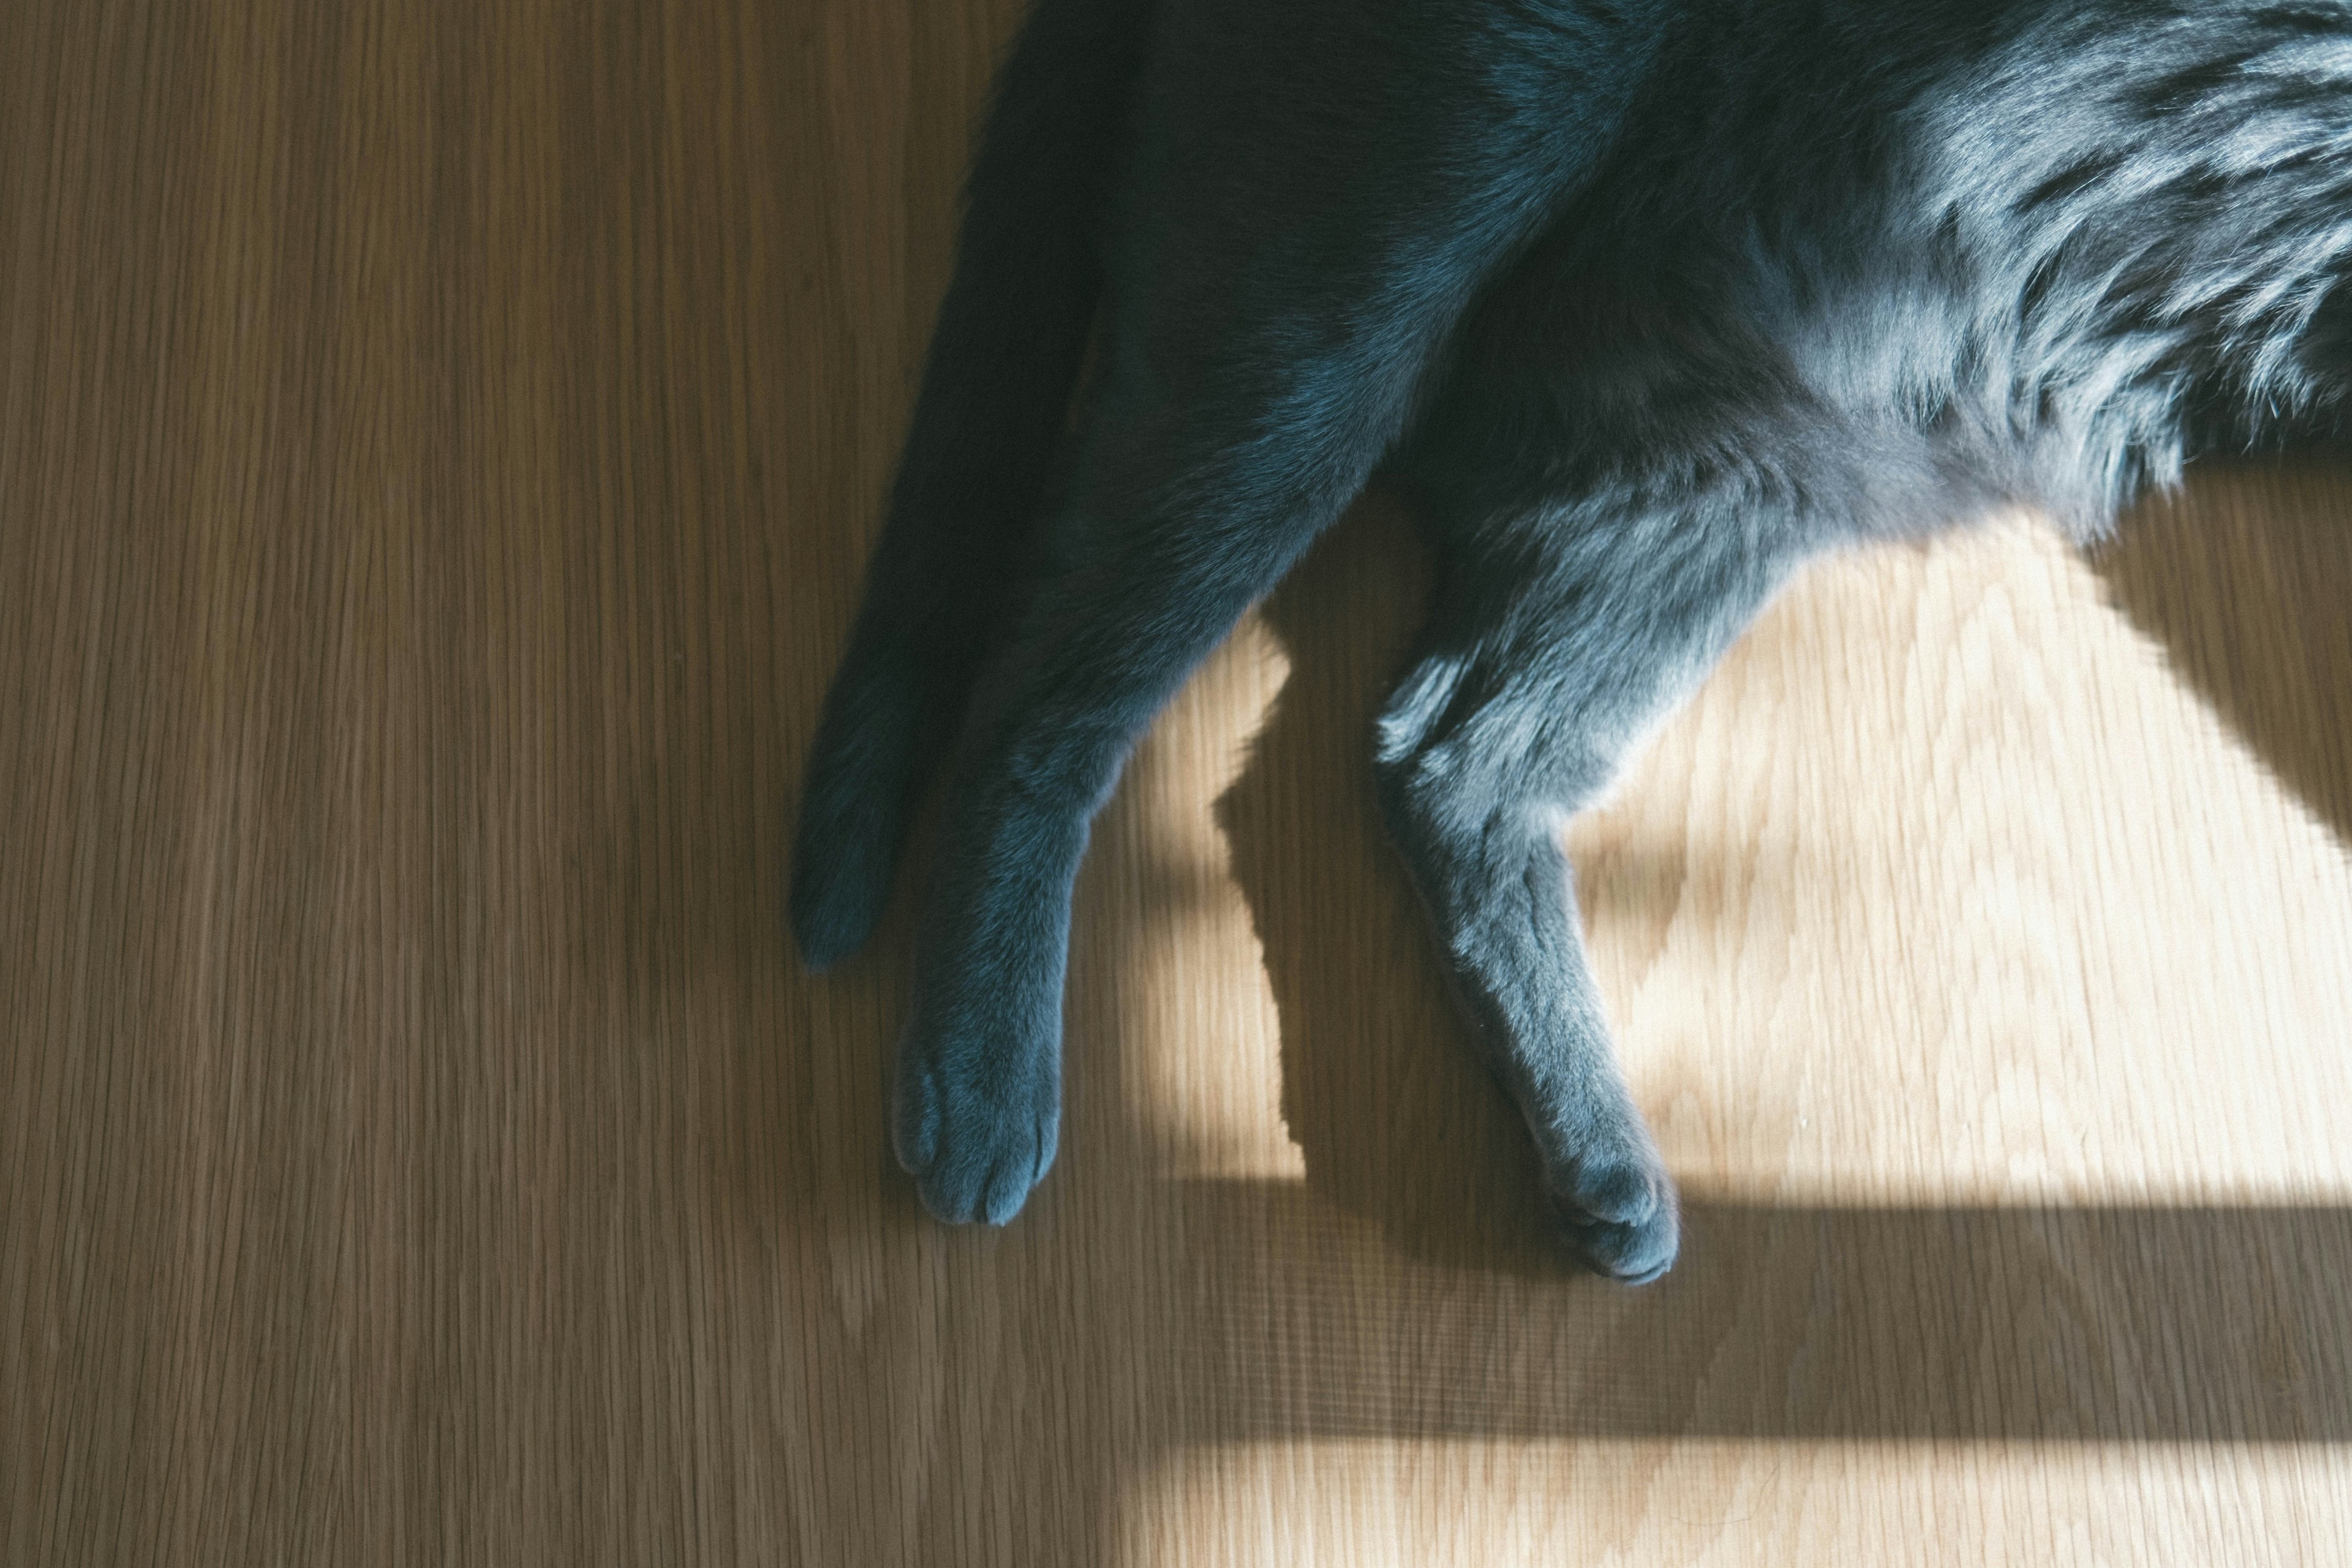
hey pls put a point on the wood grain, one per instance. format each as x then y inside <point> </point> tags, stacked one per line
<point>438,445</point>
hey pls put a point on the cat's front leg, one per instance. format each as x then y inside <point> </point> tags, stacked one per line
<point>1565,631</point>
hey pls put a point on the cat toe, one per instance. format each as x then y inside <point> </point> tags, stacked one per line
<point>973,1183</point>
<point>1623,1218</point>
<point>976,1146</point>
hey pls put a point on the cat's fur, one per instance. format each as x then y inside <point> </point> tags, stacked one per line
<point>1648,303</point>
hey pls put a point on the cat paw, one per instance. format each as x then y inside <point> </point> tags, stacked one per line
<point>976,1132</point>
<point>1621,1215</point>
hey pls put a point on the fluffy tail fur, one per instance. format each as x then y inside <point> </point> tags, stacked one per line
<point>1010,336</point>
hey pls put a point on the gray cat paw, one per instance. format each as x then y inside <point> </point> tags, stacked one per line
<point>974,1134</point>
<point>1620,1213</point>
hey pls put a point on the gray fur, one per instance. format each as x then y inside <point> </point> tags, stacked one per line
<point>1650,304</point>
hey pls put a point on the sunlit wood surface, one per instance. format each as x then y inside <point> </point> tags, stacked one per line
<point>439,444</point>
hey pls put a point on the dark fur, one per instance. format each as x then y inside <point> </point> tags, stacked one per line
<point>1649,303</point>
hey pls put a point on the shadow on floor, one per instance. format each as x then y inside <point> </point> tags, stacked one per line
<point>1396,1120</point>
<point>2245,578</point>
<point>2102,1325</point>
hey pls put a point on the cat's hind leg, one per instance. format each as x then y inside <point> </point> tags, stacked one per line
<point>1318,184</point>
<point>1562,633</point>
<point>1003,358</point>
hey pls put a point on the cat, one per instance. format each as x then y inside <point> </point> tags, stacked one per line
<point>1645,303</point>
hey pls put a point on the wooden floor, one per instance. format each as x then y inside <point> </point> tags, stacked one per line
<point>438,443</point>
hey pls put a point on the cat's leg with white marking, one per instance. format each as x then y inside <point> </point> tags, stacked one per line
<point>1563,635</point>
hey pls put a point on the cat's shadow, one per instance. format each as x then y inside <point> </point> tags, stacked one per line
<point>1397,1121</point>
<point>2244,580</point>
